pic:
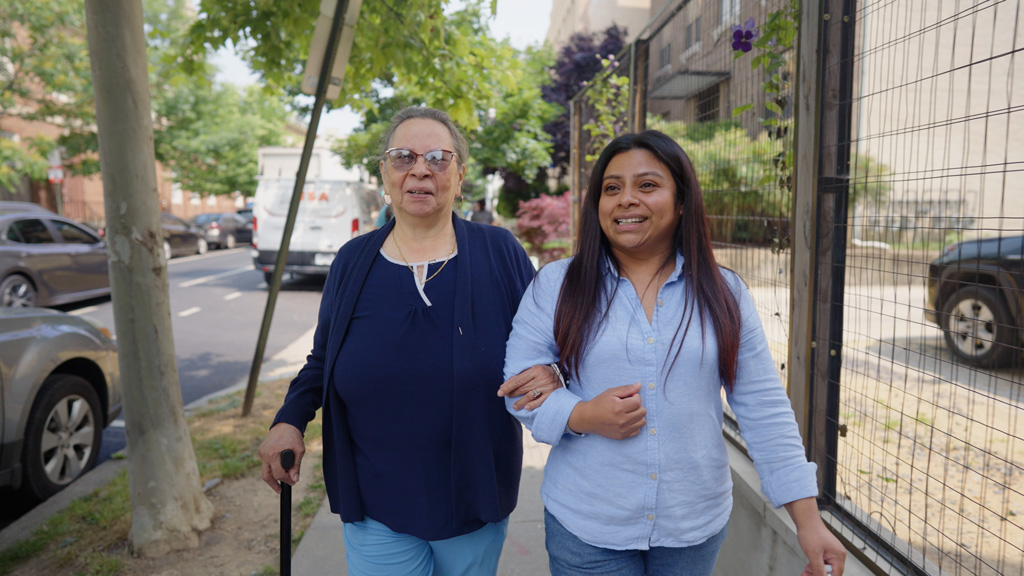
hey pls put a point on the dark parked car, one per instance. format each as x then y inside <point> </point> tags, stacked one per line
<point>976,295</point>
<point>224,229</point>
<point>47,260</point>
<point>59,386</point>
<point>180,237</point>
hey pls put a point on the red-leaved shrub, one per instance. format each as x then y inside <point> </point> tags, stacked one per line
<point>543,222</point>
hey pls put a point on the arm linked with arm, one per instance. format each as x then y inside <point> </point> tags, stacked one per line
<point>531,343</point>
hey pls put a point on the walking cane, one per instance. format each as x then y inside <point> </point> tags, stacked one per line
<point>287,461</point>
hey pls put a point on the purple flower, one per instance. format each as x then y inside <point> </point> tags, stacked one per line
<point>744,36</point>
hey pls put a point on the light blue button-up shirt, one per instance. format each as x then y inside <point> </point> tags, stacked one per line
<point>670,485</point>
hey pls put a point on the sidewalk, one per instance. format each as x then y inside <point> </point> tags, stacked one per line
<point>322,548</point>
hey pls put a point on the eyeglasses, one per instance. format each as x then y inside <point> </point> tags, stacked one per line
<point>402,159</point>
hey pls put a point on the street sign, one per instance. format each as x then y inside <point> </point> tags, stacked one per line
<point>55,174</point>
<point>311,74</point>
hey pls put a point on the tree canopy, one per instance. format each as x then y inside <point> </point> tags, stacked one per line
<point>435,55</point>
<point>205,133</point>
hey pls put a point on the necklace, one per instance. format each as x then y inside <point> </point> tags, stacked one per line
<point>409,266</point>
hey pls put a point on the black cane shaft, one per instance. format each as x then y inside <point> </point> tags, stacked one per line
<point>287,461</point>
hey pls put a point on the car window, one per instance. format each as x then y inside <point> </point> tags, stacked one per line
<point>73,234</point>
<point>172,219</point>
<point>12,234</point>
<point>32,231</point>
<point>205,218</point>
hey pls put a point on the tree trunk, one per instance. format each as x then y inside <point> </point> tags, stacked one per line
<point>169,507</point>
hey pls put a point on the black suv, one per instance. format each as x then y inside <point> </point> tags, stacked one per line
<point>975,295</point>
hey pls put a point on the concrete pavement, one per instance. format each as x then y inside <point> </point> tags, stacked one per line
<point>322,548</point>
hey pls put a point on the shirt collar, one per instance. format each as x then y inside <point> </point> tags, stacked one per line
<point>608,269</point>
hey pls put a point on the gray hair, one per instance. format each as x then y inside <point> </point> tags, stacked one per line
<point>414,112</point>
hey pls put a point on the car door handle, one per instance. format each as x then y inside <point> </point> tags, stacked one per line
<point>316,227</point>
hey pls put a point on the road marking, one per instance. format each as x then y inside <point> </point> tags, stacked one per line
<point>189,312</point>
<point>191,283</point>
<point>233,295</point>
<point>85,310</point>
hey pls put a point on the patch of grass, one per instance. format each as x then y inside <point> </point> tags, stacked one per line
<point>309,506</point>
<point>226,456</point>
<point>924,419</point>
<point>892,424</point>
<point>220,406</point>
<point>75,536</point>
<point>103,565</point>
<point>314,431</point>
<point>267,571</point>
<point>22,551</point>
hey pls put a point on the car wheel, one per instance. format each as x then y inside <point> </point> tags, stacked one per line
<point>167,250</point>
<point>978,327</point>
<point>63,437</point>
<point>17,291</point>
<point>202,246</point>
<point>230,241</point>
<point>268,276</point>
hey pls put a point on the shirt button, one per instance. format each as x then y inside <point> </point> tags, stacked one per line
<point>650,340</point>
<point>654,476</point>
<point>650,385</point>
<point>650,516</point>
<point>654,431</point>
<point>661,302</point>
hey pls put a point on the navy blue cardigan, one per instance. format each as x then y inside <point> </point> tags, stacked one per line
<point>492,274</point>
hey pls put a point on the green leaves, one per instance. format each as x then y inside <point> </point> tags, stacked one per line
<point>211,136</point>
<point>608,99</point>
<point>440,57</point>
<point>17,162</point>
<point>741,109</point>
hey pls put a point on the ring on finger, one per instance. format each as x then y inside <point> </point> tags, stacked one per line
<point>536,393</point>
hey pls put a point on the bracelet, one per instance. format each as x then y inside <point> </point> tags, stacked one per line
<point>558,372</point>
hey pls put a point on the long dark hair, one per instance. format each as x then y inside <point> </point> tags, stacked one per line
<point>583,294</point>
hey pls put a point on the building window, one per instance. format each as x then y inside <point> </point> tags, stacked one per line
<point>665,55</point>
<point>707,104</point>
<point>693,32</point>
<point>730,11</point>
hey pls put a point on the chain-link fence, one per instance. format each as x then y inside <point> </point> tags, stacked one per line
<point>916,251</point>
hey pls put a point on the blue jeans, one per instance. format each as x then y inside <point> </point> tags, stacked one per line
<point>373,549</point>
<point>570,556</point>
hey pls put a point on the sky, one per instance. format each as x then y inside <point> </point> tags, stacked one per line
<point>523,22</point>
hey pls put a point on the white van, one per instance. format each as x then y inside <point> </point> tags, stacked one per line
<point>334,208</point>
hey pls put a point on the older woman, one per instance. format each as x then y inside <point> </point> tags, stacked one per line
<point>420,458</point>
<point>650,330</point>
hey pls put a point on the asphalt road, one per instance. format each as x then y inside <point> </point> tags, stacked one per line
<point>217,305</point>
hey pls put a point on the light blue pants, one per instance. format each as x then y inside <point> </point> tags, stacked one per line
<point>373,549</point>
<point>570,556</point>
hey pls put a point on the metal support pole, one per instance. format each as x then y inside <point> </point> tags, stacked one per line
<point>274,286</point>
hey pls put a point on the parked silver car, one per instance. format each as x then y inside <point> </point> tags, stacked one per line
<point>59,388</point>
<point>48,260</point>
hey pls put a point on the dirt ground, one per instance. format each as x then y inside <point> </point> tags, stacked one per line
<point>244,537</point>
